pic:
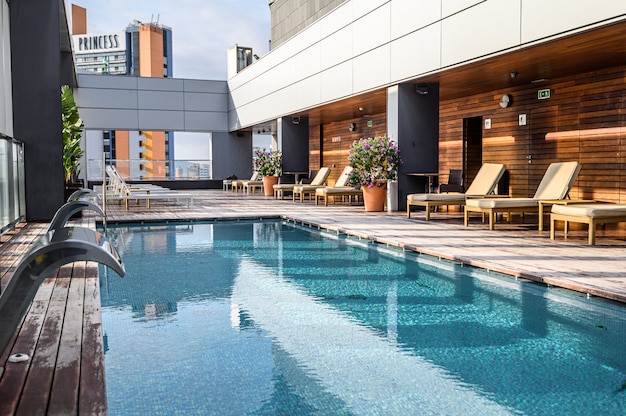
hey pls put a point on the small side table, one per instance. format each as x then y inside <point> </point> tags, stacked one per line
<point>430,176</point>
<point>543,204</point>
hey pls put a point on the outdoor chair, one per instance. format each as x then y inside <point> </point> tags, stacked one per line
<point>317,182</point>
<point>340,188</point>
<point>483,185</point>
<point>281,188</point>
<point>238,183</point>
<point>591,214</point>
<point>455,182</point>
<point>555,185</point>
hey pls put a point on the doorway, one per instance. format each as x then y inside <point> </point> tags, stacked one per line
<point>472,148</point>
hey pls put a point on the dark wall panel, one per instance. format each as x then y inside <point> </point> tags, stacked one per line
<point>36,78</point>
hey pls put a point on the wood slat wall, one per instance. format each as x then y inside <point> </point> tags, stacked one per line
<point>584,120</point>
<point>337,139</point>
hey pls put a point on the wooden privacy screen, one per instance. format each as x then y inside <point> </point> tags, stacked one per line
<point>584,119</point>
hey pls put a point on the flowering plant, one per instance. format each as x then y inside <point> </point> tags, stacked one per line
<point>268,163</point>
<point>373,159</point>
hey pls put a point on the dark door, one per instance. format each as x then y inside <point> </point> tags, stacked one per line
<point>472,148</point>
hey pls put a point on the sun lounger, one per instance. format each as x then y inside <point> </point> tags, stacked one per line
<point>237,184</point>
<point>555,185</point>
<point>318,182</point>
<point>339,189</point>
<point>483,184</point>
<point>281,188</point>
<point>118,189</point>
<point>590,214</point>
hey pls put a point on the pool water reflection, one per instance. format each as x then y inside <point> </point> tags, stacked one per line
<point>267,318</point>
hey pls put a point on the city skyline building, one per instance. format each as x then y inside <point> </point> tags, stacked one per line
<point>141,50</point>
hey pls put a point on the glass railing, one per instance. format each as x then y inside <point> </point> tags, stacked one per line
<point>12,190</point>
<point>141,169</point>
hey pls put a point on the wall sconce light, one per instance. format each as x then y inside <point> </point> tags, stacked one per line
<point>422,89</point>
<point>352,127</point>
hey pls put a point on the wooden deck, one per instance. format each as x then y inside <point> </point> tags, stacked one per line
<point>62,331</point>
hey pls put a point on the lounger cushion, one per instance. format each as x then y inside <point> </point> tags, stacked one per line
<point>502,203</point>
<point>486,179</point>
<point>483,184</point>
<point>284,186</point>
<point>558,180</point>
<point>599,210</point>
<point>436,197</point>
<point>330,190</point>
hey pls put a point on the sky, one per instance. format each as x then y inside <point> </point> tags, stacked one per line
<point>202,32</point>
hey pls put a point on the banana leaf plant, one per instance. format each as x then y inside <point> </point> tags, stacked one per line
<point>72,133</point>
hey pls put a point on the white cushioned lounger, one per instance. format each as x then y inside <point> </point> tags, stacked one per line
<point>590,214</point>
<point>483,184</point>
<point>555,185</point>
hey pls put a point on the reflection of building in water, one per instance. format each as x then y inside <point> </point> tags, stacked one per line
<point>198,170</point>
<point>154,310</point>
<point>141,50</point>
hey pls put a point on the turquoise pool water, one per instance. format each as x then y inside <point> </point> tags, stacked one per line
<point>270,318</point>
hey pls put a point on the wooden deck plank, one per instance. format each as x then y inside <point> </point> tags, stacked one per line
<point>92,394</point>
<point>65,385</point>
<point>15,374</point>
<point>43,362</point>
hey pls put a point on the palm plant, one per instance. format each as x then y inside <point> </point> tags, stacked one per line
<point>72,133</point>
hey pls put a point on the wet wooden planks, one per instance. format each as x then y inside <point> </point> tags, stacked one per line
<point>62,333</point>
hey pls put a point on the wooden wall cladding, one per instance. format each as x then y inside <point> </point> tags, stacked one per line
<point>584,119</point>
<point>337,139</point>
<point>315,147</point>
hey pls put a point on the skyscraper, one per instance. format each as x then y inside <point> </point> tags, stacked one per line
<point>142,50</point>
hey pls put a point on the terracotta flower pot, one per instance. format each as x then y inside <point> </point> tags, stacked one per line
<point>268,184</point>
<point>374,197</point>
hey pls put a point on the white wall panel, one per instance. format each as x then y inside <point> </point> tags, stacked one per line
<point>372,30</point>
<point>410,15</point>
<point>372,69</point>
<point>362,7</point>
<point>476,31</point>
<point>416,53</point>
<point>336,82</point>
<point>160,100</point>
<point>283,75</point>
<point>336,48</point>
<point>336,20</point>
<point>308,92</point>
<point>161,120</point>
<point>307,62</point>
<point>450,7</point>
<point>544,18</point>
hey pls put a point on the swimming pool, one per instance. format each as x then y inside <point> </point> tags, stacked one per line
<point>272,318</point>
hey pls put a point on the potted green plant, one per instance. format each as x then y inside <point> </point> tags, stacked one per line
<point>374,161</point>
<point>269,164</point>
<point>72,133</point>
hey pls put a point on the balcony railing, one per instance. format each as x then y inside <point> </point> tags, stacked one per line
<point>141,169</point>
<point>12,190</point>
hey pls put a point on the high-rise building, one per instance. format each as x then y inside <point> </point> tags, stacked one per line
<point>142,50</point>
